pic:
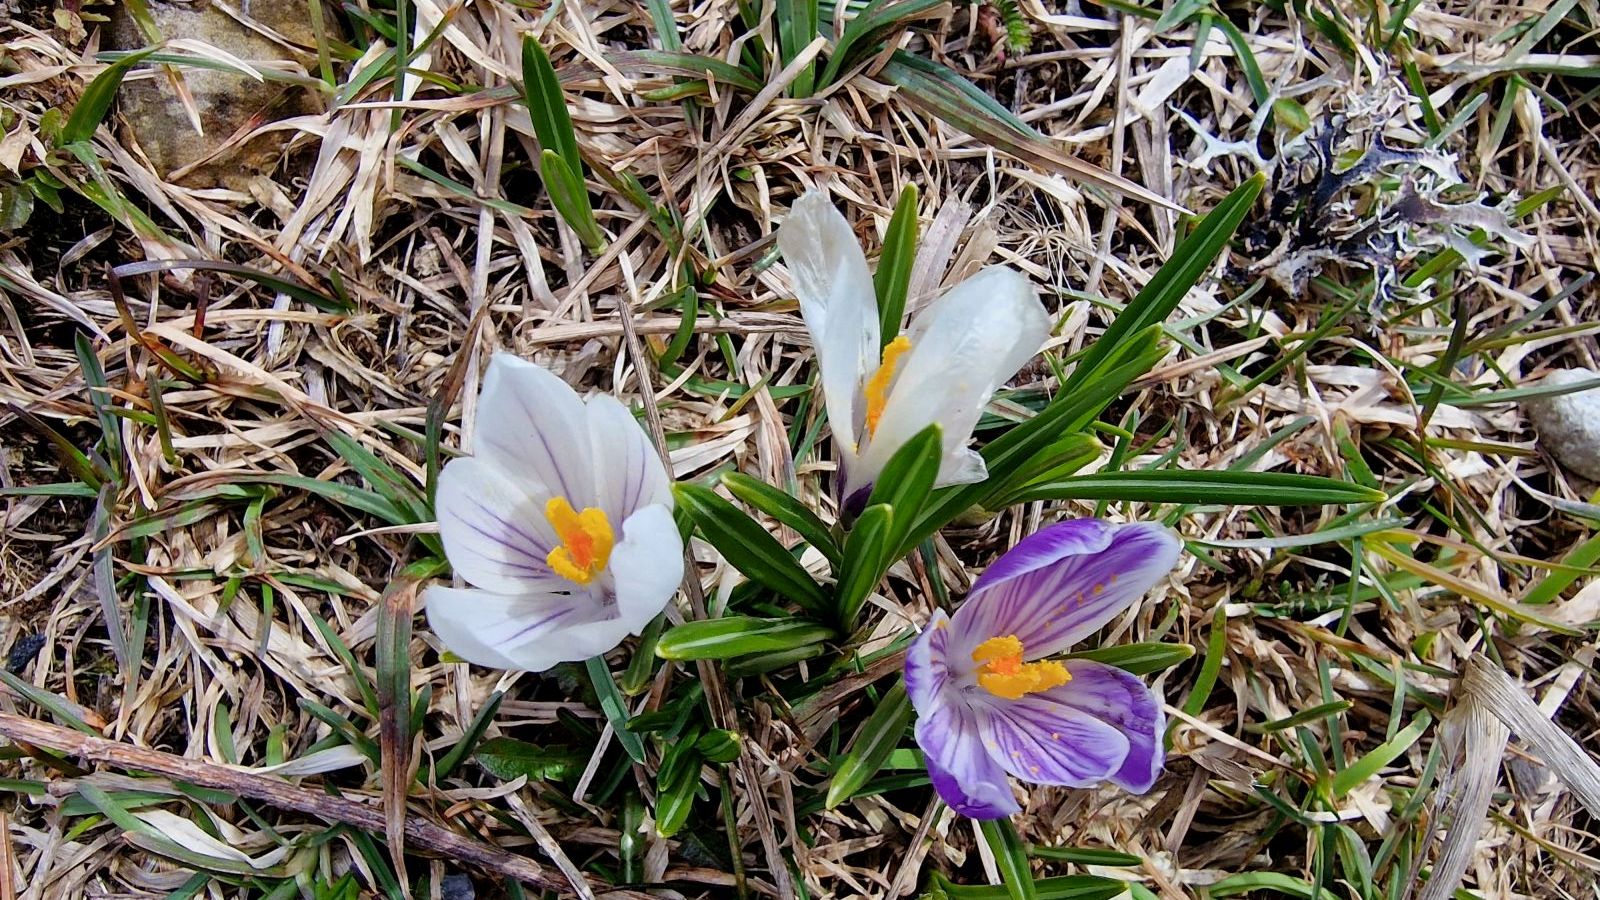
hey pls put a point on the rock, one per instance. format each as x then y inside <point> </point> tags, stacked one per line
<point>227,102</point>
<point>1569,424</point>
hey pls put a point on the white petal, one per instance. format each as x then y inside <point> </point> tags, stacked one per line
<point>493,527</point>
<point>531,632</point>
<point>965,345</point>
<point>628,474</point>
<point>534,424</point>
<point>839,305</point>
<point>646,566</point>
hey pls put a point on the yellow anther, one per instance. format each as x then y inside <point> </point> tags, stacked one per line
<point>877,389</point>
<point>1004,674</point>
<point>586,541</point>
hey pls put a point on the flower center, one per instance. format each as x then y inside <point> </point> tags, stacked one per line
<point>1004,674</point>
<point>586,540</point>
<point>878,385</point>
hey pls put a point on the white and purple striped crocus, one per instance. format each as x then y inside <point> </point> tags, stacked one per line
<point>561,522</point>
<point>990,701</point>
<point>942,369</point>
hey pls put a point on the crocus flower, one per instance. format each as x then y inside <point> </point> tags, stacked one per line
<point>943,369</point>
<point>989,699</point>
<point>561,521</point>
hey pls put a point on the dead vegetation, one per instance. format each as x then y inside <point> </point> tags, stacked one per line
<point>213,473</point>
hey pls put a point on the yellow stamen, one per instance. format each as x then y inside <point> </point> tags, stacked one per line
<point>586,540</point>
<point>877,390</point>
<point>1004,674</point>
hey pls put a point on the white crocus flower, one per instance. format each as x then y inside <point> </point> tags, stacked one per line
<point>561,521</point>
<point>942,369</point>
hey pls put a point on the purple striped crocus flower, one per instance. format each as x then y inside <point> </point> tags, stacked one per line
<point>990,701</point>
<point>561,521</point>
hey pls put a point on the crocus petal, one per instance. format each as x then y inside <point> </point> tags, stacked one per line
<point>1124,702</point>
<point>521,631</point>
<point>1064,582</point>
<point>965,345</point>
<point>493,527</point>
<point>966,776</point>
<point>1040,740</point>
<point>839,305</point>
<point>646,567</point>
<point>927,673</point>
<point>628,473</point>
<point>531,422</point>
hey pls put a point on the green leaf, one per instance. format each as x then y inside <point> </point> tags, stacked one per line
<point>1086,856</point>
<point>862,34</point>
<point>677,782</point>
<point>612,704</point>
<point>748,546</point>
<point>893,278</point>
<point>16,206</point>
<point>91,108</point>
<point>1348,778</point>
<point>507,758</point>
<point>547,105</point>
<point>65,711</point>
<point>688,64</point>
<point>904,485</point>
<point>274,283</point>
<point>1268,882</point>
<point>1059,460</point>
<point>942,92</point>
<point>732,636</point>
<point>771,661</point>
<point>1010,857</point>
<point>719,745</point>
<point>867,554</point>
<point>468,742</point>
<point>1211,666</point>
<point>1065,887</point>
<point>1138,659</point>
<point>785,509</point>
<point>796,25</point>
<point>570,196</point>
<point>1218,488</point>
<point>665,23</point>
<point>871,746</point>
<point>1162,294</point>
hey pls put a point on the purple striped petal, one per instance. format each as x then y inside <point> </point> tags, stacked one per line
<point>493,527</point>
<point>1063,583</point>
<point>521,631</point>
<point>628,474</point>
<point>926,671</point>
<point>532,423</point>
<point>1123,701</point>
<point>965,775</point>
<point>1044,741</point>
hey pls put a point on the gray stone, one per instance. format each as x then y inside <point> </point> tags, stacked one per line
<point>1569,424</point>
<point>227,102</point>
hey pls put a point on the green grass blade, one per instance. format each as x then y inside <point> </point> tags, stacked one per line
<point>893,278</point>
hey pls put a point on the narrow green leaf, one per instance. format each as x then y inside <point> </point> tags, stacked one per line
<point>1266,882</point>
<point>786,509</point>
<point>867,555</point>
<point>1140,658</point>
<point>893,278</point>
<point>1346,779</point>
<point>642,666</point>
<point>1211,666</point>
<point>94,378</point>
<point>65,711</point>
<point>1162,294</point>
<point>905,485</point>
<point>771,661</point>
<point>1320,711</point>
<point>615,708</point>
<point>871,745</point>
<point>687,64</point>
<point>1086,856</point>
<point>677,782</point>
<point>506,759</point>
<point>547,105</point>
<point>1010,857</point>
<point>1065,887</point>
<point>570,196</point>
<point>468,742</point>
<point>91,108</point>
<point>275,283</point>
<point>1211,487</point>
<point>748,546</point>
<point>665,23</point>
<point>732,636</point>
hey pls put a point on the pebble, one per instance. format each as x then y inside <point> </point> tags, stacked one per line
<point>1569,424</point>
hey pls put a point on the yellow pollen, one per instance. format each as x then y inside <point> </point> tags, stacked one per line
<point>1004,674</point>
<point>586,540</point>
<point>877,390</point>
